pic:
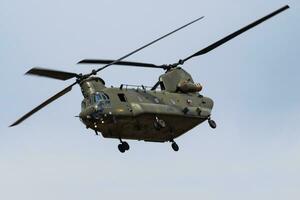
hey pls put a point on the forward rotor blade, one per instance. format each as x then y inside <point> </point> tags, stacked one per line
<point>128,63</point>
<point>49,73</point>
<point>45,103</point>
<point>94,72</point>
<point>235,34</point>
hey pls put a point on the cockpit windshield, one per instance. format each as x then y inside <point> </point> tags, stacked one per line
<point>100,98</point>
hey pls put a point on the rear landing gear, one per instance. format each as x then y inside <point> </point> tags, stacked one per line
<point>174,146</point>
<point>212,123</point>
<point>124,146</point>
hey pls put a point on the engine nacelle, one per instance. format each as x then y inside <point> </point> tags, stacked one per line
<point>187,86</point>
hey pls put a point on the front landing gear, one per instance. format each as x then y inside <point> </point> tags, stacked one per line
<point>212,123</point>
<point>174,146</point>
<point>124,146</point>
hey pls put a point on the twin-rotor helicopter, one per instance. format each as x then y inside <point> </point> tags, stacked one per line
<point>172,107</point>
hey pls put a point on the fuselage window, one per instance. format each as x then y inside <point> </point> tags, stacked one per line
<point>122,97</point>
<point>106,98</point>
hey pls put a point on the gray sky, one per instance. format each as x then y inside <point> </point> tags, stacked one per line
<point>253,79</point>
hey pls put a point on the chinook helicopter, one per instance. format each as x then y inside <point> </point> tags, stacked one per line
<point>172,107</point>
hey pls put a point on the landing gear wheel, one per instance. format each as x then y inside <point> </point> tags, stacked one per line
<point>125,146</point>
<point>212,123</point>
<point>121,148</point>
<point>175,147</point>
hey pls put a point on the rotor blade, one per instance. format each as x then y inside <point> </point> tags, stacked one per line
<point>235,34</point>
<point>49,73</point>
<point>94,72</point>
<point>128,63</point>
<point>45,103</point>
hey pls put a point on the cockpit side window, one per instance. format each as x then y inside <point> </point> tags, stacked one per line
<point>107,97</point>
<point>103,97</point>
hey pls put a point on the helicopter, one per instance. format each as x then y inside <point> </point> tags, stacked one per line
<point>161,113</point>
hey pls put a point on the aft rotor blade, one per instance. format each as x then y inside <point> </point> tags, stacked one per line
<point>127,63</point>
<point>49,73</point>
<point>235,34</point>
<point>45,103</point>
<point>94,72</point>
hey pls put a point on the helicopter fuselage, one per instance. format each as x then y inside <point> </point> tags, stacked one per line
<point>141,114</point>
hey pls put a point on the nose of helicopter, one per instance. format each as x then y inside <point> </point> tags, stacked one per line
<point>98,112</point>
<point>95,111</point>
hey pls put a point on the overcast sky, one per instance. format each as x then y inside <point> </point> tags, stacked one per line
<point>253,79</point>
